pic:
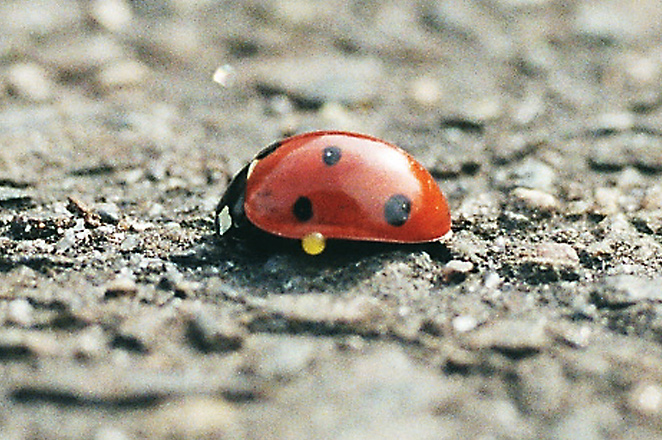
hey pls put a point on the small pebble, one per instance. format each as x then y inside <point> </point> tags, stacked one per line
<point>425,91</point>
<point>620,121</point>
<point>651,219</point>
<point>156,210</point>
<point>337,115</point>
<point>645,148</point>
<point>327,310</point>
<point>91,342</point>
<point>615,20</point>
<point>40,19</point>
<point>83,54</point>
<point>275,356</point>
<point>456,270</point>
<point>483,109</point>
<point>601,20</point>
<point>643,69</point>
<point>172,276</point>
<point>482,206</point>
<point>631,178</point>
<point>67,241</point>
<point>587,421</point>
<point>522,3</point>
<point>121,286</point>
<point>108,212</point>
<point>172,226</point>
<point>528,110</point>
<point>14,196</point>
<point>549,262</point>
<point>139,226</point>
<point>607,201</point>
<point>459,266</point>
<point>298,12</point>
<point>313,81</point>
<point>111,433</point>
<point>80,209</point>
<point>509,147</point>
<point>576,336</point>
<point>645,99</point>
<point>131,176</point>
<point>607,154</point>
<point>617,226</point>
<point>121,74</point>
<point>464,323</point>
<point>653,198</point>
<point>280,105</point>
<point>624,290</point>
<point>130,243</point>
<point>492,280</point>
<point>542,386</point>
<point>30,81</point>
<point>646,399</point>
<point>114,15</point>
<point>210,333</point>
<point>536,200</point>
<point>533,174</point>
<point>20,312</point>
<point>556,254</point>
<point>637,149</point>
<point>79,225</point>
<point>511,335</point>
<point>193,417</point>
<point>224,75</point>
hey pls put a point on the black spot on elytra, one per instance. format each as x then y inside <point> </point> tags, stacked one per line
<point>397,209</point>
<point>303,209</point>
<point>331,155</point>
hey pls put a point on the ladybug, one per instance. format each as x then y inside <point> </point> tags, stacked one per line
<point>338,185</point>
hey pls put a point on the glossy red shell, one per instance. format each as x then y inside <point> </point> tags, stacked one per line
<point>347,198</point>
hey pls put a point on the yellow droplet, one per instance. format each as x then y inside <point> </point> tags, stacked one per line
<point>313,243</point>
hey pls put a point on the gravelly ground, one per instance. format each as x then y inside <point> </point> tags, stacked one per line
<point>123,317</point>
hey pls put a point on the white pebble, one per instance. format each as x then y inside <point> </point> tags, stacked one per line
<point>492,280</point>
<point>30,81</point>
<point>20,312</point>
<point>464,323</point>
<point>646,398</point>
<point>536,199</point>
<point>425,91</point>
<point>459,266</point>
<point>224,75</point>
<point>114,15</point>
<point>124,73</point>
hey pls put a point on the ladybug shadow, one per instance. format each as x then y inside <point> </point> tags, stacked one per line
<point>336,252</point>
<point>268,264</point>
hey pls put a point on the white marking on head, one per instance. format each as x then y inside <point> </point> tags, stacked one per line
<point>224,220</point>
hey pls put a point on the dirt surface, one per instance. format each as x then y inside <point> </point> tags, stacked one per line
<point>123,317</point>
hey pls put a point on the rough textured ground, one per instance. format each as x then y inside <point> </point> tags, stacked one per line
<point>122,317</point>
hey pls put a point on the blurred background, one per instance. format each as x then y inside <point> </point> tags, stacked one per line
<point>457,82</point>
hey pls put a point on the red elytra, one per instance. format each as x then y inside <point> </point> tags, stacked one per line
<point>340,185</point>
